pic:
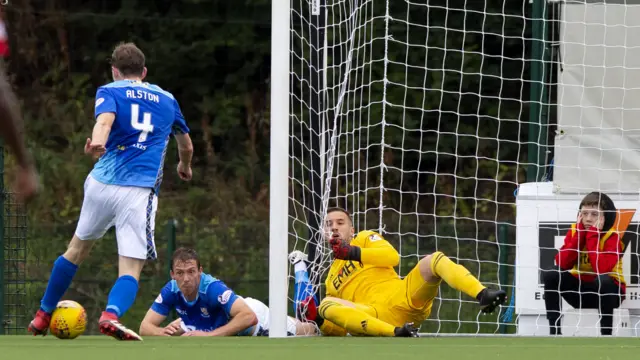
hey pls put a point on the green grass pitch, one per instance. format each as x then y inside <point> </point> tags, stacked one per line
<point>352,348</point>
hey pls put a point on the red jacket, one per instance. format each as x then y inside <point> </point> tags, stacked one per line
<point>599,253</point>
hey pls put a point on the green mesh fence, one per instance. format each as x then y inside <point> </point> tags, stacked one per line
<point>14,241</point>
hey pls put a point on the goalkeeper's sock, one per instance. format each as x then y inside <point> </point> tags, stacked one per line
<point>333,328</point>
<point>457,276</point>
<point>61,275</point>
<point>355,321</point>
<point>122,295</point>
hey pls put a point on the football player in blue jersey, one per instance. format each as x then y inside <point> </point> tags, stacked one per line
<point>134,122</point>
<point>207,307</point>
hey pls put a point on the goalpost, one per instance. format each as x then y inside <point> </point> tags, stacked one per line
<point>456,126</point>
<point>279,169</point>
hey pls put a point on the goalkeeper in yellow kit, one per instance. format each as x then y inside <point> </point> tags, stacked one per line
<point>365,295</point>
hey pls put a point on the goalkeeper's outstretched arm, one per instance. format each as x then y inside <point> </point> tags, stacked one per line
<point>368,248</point>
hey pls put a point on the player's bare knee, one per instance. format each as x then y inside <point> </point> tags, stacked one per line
<point>130,266</point>
<point>78,250</point>
<point>425,269</point>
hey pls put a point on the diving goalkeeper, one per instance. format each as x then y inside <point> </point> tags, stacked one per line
<point>365,295</point>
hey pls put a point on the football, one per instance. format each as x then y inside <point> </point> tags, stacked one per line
<point>68,321</point>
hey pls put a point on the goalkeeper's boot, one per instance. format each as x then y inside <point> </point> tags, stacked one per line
<point>109,325</point>
<point>490,299</point>
<point>406,330</point>
<point>40,324</point>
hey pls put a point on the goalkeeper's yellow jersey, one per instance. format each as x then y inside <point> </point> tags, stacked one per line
<point>370,279</point>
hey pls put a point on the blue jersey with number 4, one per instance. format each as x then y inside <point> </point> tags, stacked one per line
<point>210,310</point>
<point>146,116</point>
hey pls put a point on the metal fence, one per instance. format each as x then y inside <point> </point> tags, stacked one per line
<point>13,265</point>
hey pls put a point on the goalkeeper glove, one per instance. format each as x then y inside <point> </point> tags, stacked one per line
<point>343,251</point>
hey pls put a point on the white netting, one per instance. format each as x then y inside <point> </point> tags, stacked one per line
<point>418,121</point>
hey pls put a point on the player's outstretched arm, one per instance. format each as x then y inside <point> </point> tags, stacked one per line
<point>95,147</point>
<point>150,325</point>
<point>102,128</point>
<point>185,153</point>
<point>368,248</point>
<point>157,313</point>
<point>242,318</point>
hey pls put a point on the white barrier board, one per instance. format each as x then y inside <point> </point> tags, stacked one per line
<point>542,220</point>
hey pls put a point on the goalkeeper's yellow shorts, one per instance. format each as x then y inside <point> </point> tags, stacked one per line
<point>410,300</point>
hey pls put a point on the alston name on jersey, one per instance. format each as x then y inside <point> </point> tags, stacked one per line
<point>141,94</point>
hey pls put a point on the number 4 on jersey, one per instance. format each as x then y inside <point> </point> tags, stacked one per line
<point>145,126</point>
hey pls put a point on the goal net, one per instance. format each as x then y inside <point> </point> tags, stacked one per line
<point>443,124</point>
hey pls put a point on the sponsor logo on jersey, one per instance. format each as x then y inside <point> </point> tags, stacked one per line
<point>343,274</point>
<point>224,298</point>
<point>375,237</point>
<point>99,101</point>
<point>159,299</point>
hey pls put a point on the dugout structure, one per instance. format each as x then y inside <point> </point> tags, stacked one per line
<point>13,259</point>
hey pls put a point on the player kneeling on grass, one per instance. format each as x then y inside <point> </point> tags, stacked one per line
<point>365,295</point>
<point>207,307</point>
<point>589,273</point>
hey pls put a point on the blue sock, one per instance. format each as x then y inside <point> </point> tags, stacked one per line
<point>59,281</point>
<point>122,295</point>
<point>302,287</point>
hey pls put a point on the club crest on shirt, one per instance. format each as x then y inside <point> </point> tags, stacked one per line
<point>375,237</point>
<point>224,298</point>
<point>204,311</point>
